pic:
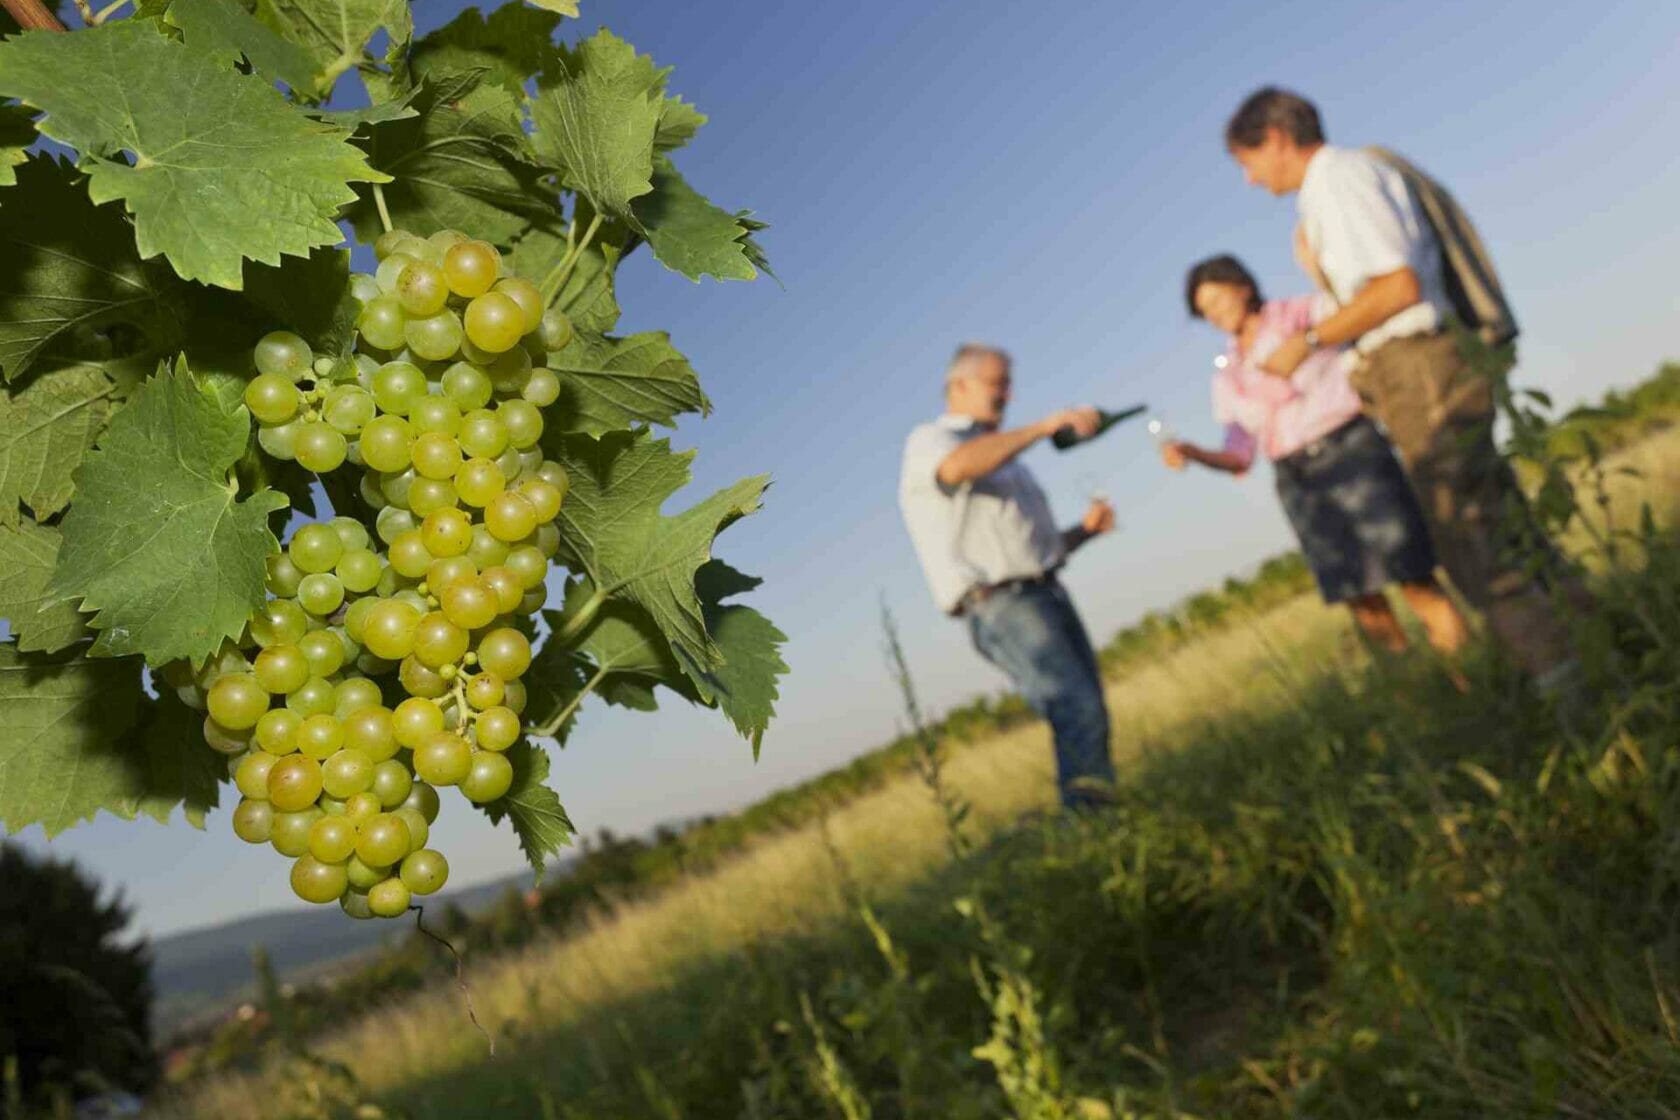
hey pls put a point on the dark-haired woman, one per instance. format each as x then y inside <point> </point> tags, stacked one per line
<point>1344,491</point>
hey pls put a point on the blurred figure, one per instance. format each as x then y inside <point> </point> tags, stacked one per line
<point>990,549</point>
<point>1345,494</point>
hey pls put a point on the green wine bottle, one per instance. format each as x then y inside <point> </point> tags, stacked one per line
<point>1065,437</point>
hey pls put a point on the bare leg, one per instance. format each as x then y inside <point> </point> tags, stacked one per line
<point>1440,616</point>
<point>1376,618</point>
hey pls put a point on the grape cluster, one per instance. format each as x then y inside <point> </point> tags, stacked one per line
<point>387,664</point>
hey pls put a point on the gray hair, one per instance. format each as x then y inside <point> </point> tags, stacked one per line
<point>968,355</point>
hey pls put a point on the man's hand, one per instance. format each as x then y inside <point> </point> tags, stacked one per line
<point>1083,420</point>
<point>1098,519</point>
<point>1172,454</point>
<point>1287,358</point>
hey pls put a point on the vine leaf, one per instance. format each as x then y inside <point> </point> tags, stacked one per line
<point>334,32</point>
<point>309,296</point>
<point>612,530</point>
<point>509,44</point>
<point>180,768</point>
<point>689,234</point>
<point>596,113</point>
<point>744,684</point>
<point>67,267</point>
<point>222,167</point>
<point>463,162</point>
<point>46,428</point>
<point>678,122</point>
<point>534,810</point>
<point>156,543</point>
<point>17,132</point>
<point>224,27</point>
<point>27,554</point>
<point>564,7</point>
<point>608,384</point>
<point>589,294</point>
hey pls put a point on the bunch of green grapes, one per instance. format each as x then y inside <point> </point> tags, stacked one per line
<point>387,664</point>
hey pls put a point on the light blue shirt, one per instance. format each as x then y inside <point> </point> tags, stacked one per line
<point>993,529</point>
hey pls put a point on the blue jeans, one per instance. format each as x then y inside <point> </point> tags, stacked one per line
<point>1034,635</point>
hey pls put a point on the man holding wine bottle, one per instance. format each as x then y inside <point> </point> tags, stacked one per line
<point>990,549</point>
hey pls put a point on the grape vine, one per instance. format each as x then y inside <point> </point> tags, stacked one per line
<point>438,442</point>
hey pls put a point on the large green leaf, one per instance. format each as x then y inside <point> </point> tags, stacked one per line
<point>678,122</point>
<point>309,296</point>
<point>687,233</point>
<point>61,757</point>
<point>609,384</point>
<point>534,810</point>
<point>462,163</point>
<point>47,423</point>
<point>17,132</point>
<point>334,32</point>
<point>588,292</point>
<point>179,767</point>
<point>67,266</point>
<point>225,27</point>
<point>222,169</point>
<point>157,543</point>
<point>612,530</point>
<point>564,7</point>
<point>509,45</point>
<point>27,554</point>
<point>744,684</point>
<point>596,112</point>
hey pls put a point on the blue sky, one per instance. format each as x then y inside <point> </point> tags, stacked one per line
<point>940,171</point>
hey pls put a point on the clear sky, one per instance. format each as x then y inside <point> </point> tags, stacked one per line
<point>938,170</point>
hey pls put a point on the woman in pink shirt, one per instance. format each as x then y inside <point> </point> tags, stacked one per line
<point>1344,491</point>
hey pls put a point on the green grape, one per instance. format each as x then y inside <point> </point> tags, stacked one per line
<point>435,338</point>
<point>490,777</point>
<point>281,669</point>
<point>385,445</point>
<point>478,481</point>
<point>439,642</point>
<point>355,905</point>
<point>363,875</point>
<point>510,516</point>
<point>443,759</point>
<point>347,773</point>
<point>355,694</point>
<point>523,421</point>
<point>388,899</point>
<point>510,372</point>
<point>413,598</point>
<point>368,485</point>
<point>272,398</point>
<point>391,784</point>
<point>331,806</point>
<point>469,604</point>
<point>498,727</point>
<point>467,385</point>
<point>391,241</point>
<point>515,698</point>
<point>528,564</point>
<point>225,740</point>
<point>505,652</point>
<point>276,731</point>
<point>545,498</point>
<point>388,630</point>
<point>321,594</point>
<point>428,495</point>
<point>313,699</point>
<point>424,799</point>
<point>486,551</point>
<point>348,408</point>
<point>319,737</point>
<point>283,575</point>
<point>555,475</point>
<point>282,622</point>
<point>434,414</point>
<point>425,871</point>
<point>543,387</point>
<point>280,440</point>
<point>470,267</point>
<point>391,268</point>
<point>397,386</point>
<point>548,540</point>
<point>316,548</point>
<point>443,239</point>
<point>351,533</point>
<point>323,651</point>
<point>252,774</point>
<point>361,808</point>
<point>436,455</point>
<point>556,330</point>
<point>415,721</point>
<point>384,840</point>
<point>394,521</point>
<point>318,882</point>
<point>289,834</point>
<point>364,288</point>
<point>283,353</point>
<point>294,782</point>
<point>494,322</point>
<point>508,588</point>
<point>354,618</point>
<point>409,555</point>
<point>422,289</point>
<point>512,464</point>
<point>381,323</point>
<point>319,448</point>
<point>473,354</point>
<point>446,532</point>
<point>419,829</point>
<point>533,600</point>
<point>359,569</point>
<point>485,690</point>
<point>371,731</point>
<point>446,572</point>
<point>332,839</point>
<point>483,435</point>
<point>419,680</point>
<point>253,820</point>
<point>527,297</point>
<point>530,461</point>
<point>237,701</point>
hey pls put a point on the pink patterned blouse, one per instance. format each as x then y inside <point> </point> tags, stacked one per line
<point>1277,416</point>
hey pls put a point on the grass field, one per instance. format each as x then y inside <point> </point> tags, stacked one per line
<point>1331,888</point>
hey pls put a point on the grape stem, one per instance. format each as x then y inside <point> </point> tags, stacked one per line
<point>580,621</point>
<point>93,18</point>
<point>549,728</point>
<point>32,15</point>
<point>379,202</point>
<point>562,272</point>
<point>460,978</point>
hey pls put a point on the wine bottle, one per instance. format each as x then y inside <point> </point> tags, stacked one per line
<point>1065,437</point>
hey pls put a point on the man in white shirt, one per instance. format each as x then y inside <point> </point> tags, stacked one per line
<point>983,531</point>
<point>1363,235</point>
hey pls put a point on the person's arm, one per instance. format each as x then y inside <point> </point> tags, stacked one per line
<point>980,456</point>
<point>1098,519</point>
<point>1228,461</point>
<point>1382,298</point>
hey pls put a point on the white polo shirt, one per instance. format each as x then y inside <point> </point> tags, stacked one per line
<point>993,529</point>
<point>1362,222</point>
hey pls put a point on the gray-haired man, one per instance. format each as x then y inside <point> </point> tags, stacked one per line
<point>983,531</point>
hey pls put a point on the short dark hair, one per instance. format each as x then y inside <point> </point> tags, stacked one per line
<point>1223,269</point>
<point>1272,107</point>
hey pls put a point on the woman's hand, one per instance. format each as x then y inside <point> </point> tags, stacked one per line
<point>1098,519</point>
<point>1172,454</point>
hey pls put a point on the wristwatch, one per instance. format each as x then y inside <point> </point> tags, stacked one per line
<point>1311,335</point>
